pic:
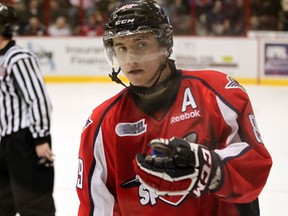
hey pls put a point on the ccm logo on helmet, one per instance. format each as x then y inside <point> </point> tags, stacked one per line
<point>125,21</point>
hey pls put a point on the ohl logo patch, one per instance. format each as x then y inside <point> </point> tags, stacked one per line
<point>131,129</point>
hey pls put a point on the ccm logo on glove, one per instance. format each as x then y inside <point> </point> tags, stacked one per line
<point>205,174</point>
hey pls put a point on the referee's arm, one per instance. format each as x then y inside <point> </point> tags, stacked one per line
<point>30,83</point>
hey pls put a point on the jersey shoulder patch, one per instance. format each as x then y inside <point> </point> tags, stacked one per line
<point>88,122</point>
<point>232,84</point>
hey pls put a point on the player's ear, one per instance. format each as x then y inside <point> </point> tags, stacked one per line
<point>165,52</point>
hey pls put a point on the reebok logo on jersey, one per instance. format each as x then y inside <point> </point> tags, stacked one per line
<point>185,116</point>
<point>131,129</point>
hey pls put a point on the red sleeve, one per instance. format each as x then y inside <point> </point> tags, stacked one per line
<point>96,172</point>
<point>85,164</point>
<point>246,161</point>
<point>94,196</point>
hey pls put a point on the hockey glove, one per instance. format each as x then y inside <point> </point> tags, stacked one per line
<point>177,167</point>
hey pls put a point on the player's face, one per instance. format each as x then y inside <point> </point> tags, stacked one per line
<point>139,57</point>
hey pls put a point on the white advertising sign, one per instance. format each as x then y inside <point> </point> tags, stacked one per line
<point>234,56</point>
<point>73,56</point>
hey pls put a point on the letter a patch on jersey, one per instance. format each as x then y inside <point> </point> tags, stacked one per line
<point>188,100</point>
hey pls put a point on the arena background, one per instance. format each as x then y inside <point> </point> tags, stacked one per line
<point>246,39</point>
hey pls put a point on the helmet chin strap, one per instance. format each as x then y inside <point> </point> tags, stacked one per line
<point>114,77</point>
<point>161,68</point>
<point>142,91</point>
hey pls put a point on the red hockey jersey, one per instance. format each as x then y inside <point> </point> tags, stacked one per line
<point>212,109</point>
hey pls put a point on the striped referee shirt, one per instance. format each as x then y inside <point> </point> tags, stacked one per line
<point>24,102</point>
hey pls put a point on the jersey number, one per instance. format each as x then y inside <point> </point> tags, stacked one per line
<point>80,174</point>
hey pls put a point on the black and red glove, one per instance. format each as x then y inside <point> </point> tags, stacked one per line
<point>177,167</point>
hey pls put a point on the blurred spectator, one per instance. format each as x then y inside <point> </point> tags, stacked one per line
<point>78,11</point>
<point>235,16</point>
<point>107,6</point>
<point>283,16</point>
<point>59,27</point>
<point>19,6</point>
<point>57,9</point>
<point>267,12</point>
<point>203,8</point>
<point>202,17</point>
<point>34,28</point>
<point>284,5</point>
<point>181,17</point>
<point>254,23</point>
<point>33,8</point>
<point>181,7</point>
<point>94,25</point>
<point>215,19</point>
<point>228,29</point>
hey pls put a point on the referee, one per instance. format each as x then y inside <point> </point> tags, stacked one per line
<point>26,158</point>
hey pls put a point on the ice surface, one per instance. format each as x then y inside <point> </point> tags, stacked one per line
<point>72,104</point>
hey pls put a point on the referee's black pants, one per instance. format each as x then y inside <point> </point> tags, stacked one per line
<point>25,187</point>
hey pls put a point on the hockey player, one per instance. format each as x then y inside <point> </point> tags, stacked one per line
<point>173,142</point>
<point>26,158</point>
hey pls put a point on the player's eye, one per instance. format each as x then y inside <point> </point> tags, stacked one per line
<point>142,46</point>
<point>121,49</point>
